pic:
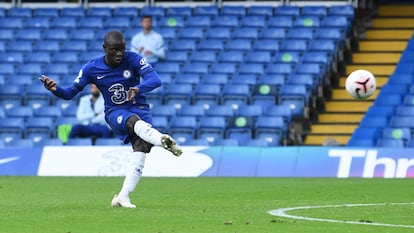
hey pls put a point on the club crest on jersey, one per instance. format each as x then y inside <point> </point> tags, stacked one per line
<point>127,74</point>
<point>143,63</point>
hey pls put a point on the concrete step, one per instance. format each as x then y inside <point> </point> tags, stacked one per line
<point>317,140</point>
<point>382,46</point>
<point>374,69</point>
<point>333,129</point>
<point>393,23</point>
<point>396,10</point>
<point>356,106</point>
<point>340,118</point>
<point>370,58</point>
<point>388,34</point>
<point>342,94</point>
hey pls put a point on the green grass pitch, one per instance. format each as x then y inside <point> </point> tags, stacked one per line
<point>193,205</point>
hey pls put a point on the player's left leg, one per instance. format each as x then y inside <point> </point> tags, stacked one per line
<point>135,168</point>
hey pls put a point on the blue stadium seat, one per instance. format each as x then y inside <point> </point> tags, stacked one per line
<point>302,79</point>
<point>196,142</point>
<point>164,111</point>
<point>19,112</point>
<point>397,88</point>
<point>187,45</point>
<point>154,11</point>
<point>177,56</point>
<point>195,68</point>
<point>161,123</point>
<point>192,79</point>
<point>34,69</point>
<point>361,142</point>
<point>99,12</point>
<point>38,138</point>
<point>307,21</point>
<point>257,142</point>
<point>182,92</point>
<point>64,23</point>
<point>320,11</point>
<point>389,99</point>
<point>220,111</point>
<point>239,44</point>
<point>218,33</point>
<point>20,46</point>
<point>91,23</point>
<point>211,10</point>
<point>342,10</point>
<point>323,45</point>
<point>330,33</point>
<point>238,11</point>
<point>271,138</point>
<point>265,91</point>
<point>12,57</point>
<point>401,122</point>
<point>236,57</point>
<point>273,33</point>
<point>236,92</point>
<point>40,125</point>
<point>397,133</point>
<point>293,92</point>
<point>22,80</point>
<point>197,111</point>
<point>280,111</point>
<point>74,12</point>
<point>300,45</point>
<point>224,68</point>
<point>203,56</point>
<point>183,124</point>
<point>301,33</point>
<point>213,45</point>
<point>199,21</point>
<point>287,10</point>
<point>244,79</point>
<point>82,34</point>
<point>38,91</point>
<point>182,137</point>
<point>309,68</point>
<point>19,143</point>
<point>266,45</point>
<point>256,21</point>
<point>261,57</point>
<point>280,22</point>
<point>6,34</point>
<point>47,46</point>
<point>69,111</point>
<point>28,34</point>
<point>65,57</point>
<point>55,34</point>
<point>366,133</point>
<point>228,21</point>
<point>167,33</point>
<point>66,121</point>
<point>251,68</point>
<point>181,11</point>
<point>86,56</point>
<point>6,69</point>
<point>374,122</point>
<point>405,111</point>
<point>266,11</point>
<point>49,142</point>
<point>77,46</point>
<point>12,125</point>
<point>220,79</point>
<point>169,68</point>
<point>37,23</point>
<point>320,57</point>
<point>246,33</point>
<point>207,92</point>
<point>250,111</point>
<point>131,12</point>
<point>172,22</point>
<point>386,142</point>
<point>57,68</point>
<point>11,23</point>
<point>279,68</point>
<point>287,57</point>
<point>191,33</point>
<point>48,111</point>
<point>336,21</point>
<point>19,12</point>
<point>240,128</point>
<point>48,12</point>
<point>402,78</point>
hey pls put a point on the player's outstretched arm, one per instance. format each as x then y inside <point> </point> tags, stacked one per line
<point>49,83</point>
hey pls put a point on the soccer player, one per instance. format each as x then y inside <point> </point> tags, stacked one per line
<point>148,43</point>
<point>117,75</point>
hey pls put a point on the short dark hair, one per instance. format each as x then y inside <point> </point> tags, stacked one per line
<point>146,17</point>
<point>115,35</point>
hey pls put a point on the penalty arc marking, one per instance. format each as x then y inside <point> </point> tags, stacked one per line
<point>283,213</point>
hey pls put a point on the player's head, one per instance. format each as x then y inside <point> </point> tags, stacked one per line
<point>94,90</point>
<point>146,22</point>
<point>114,47</point>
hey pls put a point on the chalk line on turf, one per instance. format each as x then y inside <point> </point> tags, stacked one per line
<point>282,212</point>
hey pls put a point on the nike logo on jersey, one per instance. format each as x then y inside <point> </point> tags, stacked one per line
<point>100,77</point>
<point>8,160</point>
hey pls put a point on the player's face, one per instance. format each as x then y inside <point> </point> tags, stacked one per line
<point>146,24</point>
<point>114,52</point>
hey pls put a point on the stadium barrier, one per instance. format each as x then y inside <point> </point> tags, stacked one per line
<point>336,162</point>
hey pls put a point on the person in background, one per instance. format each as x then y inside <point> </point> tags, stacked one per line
<point>148,43</point>
<point>91,116</point>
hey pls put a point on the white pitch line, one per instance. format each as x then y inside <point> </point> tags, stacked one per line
<point>283,213</point>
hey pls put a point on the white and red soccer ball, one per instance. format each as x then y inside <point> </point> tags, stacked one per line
<point>360,84</point>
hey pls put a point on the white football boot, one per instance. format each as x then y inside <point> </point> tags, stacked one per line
<point>119,201</point>
<point>169,144</point>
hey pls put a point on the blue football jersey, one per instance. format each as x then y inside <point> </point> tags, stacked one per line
<point>115,82</point>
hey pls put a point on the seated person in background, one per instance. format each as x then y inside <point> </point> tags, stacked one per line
<point>91,117</point>
<point>148,43</point>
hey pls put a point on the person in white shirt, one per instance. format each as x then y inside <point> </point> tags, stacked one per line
<point>91,117</point>
<point>148,43</point>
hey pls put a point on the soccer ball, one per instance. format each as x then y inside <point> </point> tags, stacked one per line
<point>360,84</point>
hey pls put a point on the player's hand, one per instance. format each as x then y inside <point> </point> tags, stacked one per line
<point>49,83</point>
<point>140,49</point>
<point>132,92</point>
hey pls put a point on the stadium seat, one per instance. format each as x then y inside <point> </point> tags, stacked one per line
<point>226,142</point>
<point>224,68</point>
<point>179,92</point>
<point>196,68</point>
<point>20,46</point>
<point>280,111</point>
<point>236,57</point>
<point>218,33</point>
<point>309,68</point>
<point>271,138</point>
<point>388,99</point>
<point>99,12</point>
<point>169,68</point>
<point>293,92</point>
<point>297,106</point>
<point>64,23</point>
<point>287,10</point>
<point>6,34</point>
<point>19,112</point>
<point>213,45</point>
<point>307,21</point>
<point>374,122</point>
<point>238,11</point>
<point>38,57</point>
<point>82,34</point>
<point>207,92</point>
<point>34,69</point>
<point>336,21</point>
<point>12,57</point>
<point>11,23</point>
<point>203,56</point>
<point>380,110</point>
<point>37,23</point>
<point>199,22</point>
<point>167,33</point>
<point>211,10</point>
<point>220,79</point>
<point>239,44</point>
<point>49,142</point>
<point>266,45</point>
<point>288,57</point>
<point>236,92</point>
<point>131,12</point>
<point>257,142</point>
<point>28,34</point>
<point>183,124</point>
<point>244,79</point>
<point>300,45</point>
<point>12,125</point>
<point>265,91</point>
<point>401,122</point>
<point>77,46</point>
<point>273,34</point>
<point>181,11</point>
<point>40,125</point>
<point>154,11</point>
<point>395,143</point>
<point>161,123</point>
<point>320,11</point>
<point>19,143</point>
<point>353,142</point>
<point>347,10</point>
<point>187,45</point>
<point>397,133</point>
<point>300,33</point>
<point>69,111</point>
<point>38,138</point>
<point>172,22</point>
<point>196,142</point>
<point>191,33</point>
<point>47,12</point>
<point>48,111</point>
<point>279,68</point>
<point>57,68</point>
<point>251,68</point>
<point>220,111</point>
<point>246,33</point>
<point>74,12</point>
<point>64,57</point>
<point>211,125</point>
<point>167,111</point>
<point>266,11</point>
<point>47,46</point>
<point>192,79</point>
<point>197,111</point>
<point>240,128</point>
<point>302,79</point>
<point>330,33</point>
<point>91,23</point>
<point>255,21</point>
<point>316,57</point>
<point>177,56</point>
<point>261,57</point>
<point>249,111</point>
<point>280,22</point>
<point>323,45</point>
<point>270,124</point>
<point>405,111</point>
